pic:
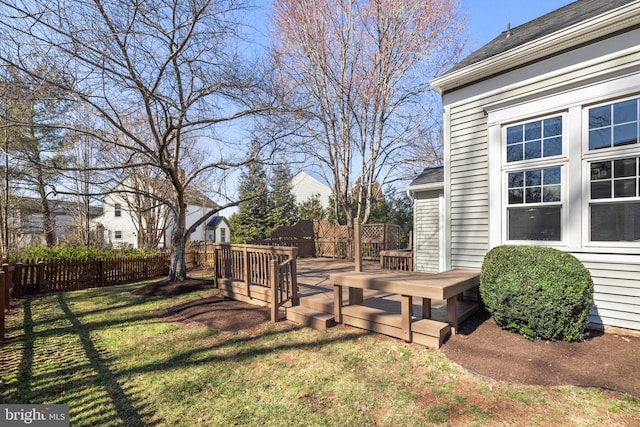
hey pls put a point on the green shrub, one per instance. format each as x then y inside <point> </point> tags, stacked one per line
<point>538,292</point>
<point>64,253</point>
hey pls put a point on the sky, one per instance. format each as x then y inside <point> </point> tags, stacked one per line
<point>488,18</point>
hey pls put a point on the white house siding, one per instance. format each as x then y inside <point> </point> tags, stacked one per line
<point>304,186</point>
<point>467,156</point>
<point>426,232</point>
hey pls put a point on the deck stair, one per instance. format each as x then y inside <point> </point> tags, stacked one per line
<point>315,311</point>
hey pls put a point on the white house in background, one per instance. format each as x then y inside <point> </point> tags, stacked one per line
<point>542,147</point>
<point>119,227</point>
<point>218,230</point>
<point>305,186</point>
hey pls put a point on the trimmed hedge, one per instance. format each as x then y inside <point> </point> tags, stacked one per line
<point>538,292</point>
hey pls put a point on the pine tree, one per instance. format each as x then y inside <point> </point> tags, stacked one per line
<point>252,222</point>
<point>283,208</point>
<point>312,208</point>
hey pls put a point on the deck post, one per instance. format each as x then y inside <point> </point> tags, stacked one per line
<point>7,286</point>
<point>406,308</point>
<point>275,266</point>
<point>452,313</point>
<point>356,296</point>
<point>337,303</point>
<point>426,308</point>
<point>295,300</point>
<point>247,271</point>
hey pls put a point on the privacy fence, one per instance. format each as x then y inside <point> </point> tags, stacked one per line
<point>320,238</point>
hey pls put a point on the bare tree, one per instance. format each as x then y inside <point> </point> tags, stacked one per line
<point>359,71</point>
<point>176,64</point>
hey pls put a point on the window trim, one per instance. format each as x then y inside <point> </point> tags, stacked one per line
<point>560,161</point>
<point>116,233</point>
<point>117,210</point>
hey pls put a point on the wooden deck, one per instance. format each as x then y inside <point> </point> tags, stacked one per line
<point>430,310</point>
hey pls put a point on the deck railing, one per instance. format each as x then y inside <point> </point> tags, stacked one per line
<point>256,265</point>
<point>400,260</point>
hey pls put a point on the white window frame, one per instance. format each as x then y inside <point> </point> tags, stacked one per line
<point>598,155</point>
<point>117,234</point>
<point>534,164</point>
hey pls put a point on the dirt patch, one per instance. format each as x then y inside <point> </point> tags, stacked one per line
<point>219,313</point>
<point>216,312</point>
<point>167,288</point>
<point>603,360</point>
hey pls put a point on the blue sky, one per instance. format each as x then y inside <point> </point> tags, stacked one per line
<point>488,18</point>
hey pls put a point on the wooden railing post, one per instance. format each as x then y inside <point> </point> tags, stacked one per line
<point>294,277</point>
<point>275,276</point>
<point>247,271</point>
<point>40,277</point>
<point>17,279</point>
<point>7,286</point>
<point>356,296</point>
<point>2,303</point>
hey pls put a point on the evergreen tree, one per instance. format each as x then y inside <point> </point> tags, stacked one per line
<point>252,221</point>
<point>312,208</point>
<point>283,208</point>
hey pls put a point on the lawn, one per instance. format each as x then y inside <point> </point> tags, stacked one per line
<point>106,354</point>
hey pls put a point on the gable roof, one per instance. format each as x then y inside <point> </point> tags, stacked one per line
<point>429,179</point>
<point>215,221</point>
<point>571,26</point>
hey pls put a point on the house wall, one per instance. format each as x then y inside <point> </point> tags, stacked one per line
<point>427,231</point>
<point>305,186</point>
<point>216,235</point>
<point>474,116</point>
<point>111,223</point>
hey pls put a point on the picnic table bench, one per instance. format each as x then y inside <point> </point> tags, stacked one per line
<point>447,286</point>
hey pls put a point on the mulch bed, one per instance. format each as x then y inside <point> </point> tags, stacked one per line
<point>609,361</point>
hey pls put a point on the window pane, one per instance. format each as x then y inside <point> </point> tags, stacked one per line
<point>532,131</point>
<point>601,190</point>
<point>624,112</point>
<point>514,134</point>
<point>615,222</point>
<point>600,138</point>
<point>533,177</point>
<point>552,147</point>
<point>514,153</point>
<point>600,117</point>
<point>625,134</point>
<point>535,223</point>
<point>625,188</point>
<point>600,170</point>
<point>551,176</point>
<point>533,150</point>
<point>625,167</point>
<point>515,197</point>
<point>533,195</point>
<point>553,127</point>
<point>516,180</point>
<point>551,194</point>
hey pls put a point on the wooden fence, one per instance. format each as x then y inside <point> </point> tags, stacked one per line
<point>33,277</point>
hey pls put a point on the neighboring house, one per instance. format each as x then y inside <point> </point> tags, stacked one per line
<point>218,230</point>
<point>541,129</point>
<point>121,228</point>
<point>26,221</point>
<point>305,186</point>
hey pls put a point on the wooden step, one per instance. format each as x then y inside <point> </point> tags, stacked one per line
<point>426,332</point>
<point>313,318</point>
<point>322,302</point>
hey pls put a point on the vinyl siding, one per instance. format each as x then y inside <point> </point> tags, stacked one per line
<point>616,276</point>
<point>426,232</point>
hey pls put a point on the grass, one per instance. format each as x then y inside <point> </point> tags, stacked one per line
<point>106,354</point>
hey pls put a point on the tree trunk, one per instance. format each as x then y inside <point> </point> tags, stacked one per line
<point>178,267</point>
